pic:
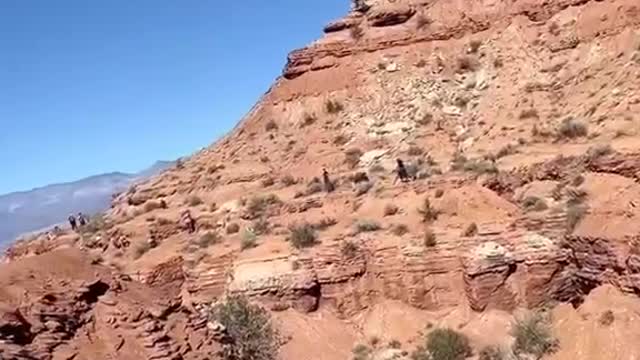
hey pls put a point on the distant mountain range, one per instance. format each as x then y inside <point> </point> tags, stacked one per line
<point>27,211</point>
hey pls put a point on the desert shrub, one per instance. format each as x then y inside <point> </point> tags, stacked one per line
<point>140,248</point>
<point>533,336</point>
<point>534,203</point>
<point>394,344</point>
<point>428,212</point>
<point>207,239</point>
<point>260,226</point>
<point>470,230</point>
<point>390,210</point>
<point>491,352</point>
<point>506,151</point>
<point>349,249</point>
<point>340,140</point>
<point>268,181</point>
<point>480,166</point>
<point>271,126</point>
<point>363,187</point>
<point>308,119</point>
<point>361,352</point>
<point>607,318</point>
<point>415,151</point>
<point>194,200</point>
<point>163,221</point>
<point>425,120</point>
<point>302,235</point>
<point>258,205</point>
<point>288,180</point>
<point>249,328</point>
<point>474,45</point>
<point>314,186</point>
<point>233,228</point>
<point>596,151</point>
<point>352,157</point>
<point>465,64</point>
<point>325,223</point>
<point>333,106</point>
<point>443,344</point>
<point>575,195</point>
<point>249,239</point>
<point>528,114</point>
<point>439,193</point>
<point>152,205</point>
<point>364,225</point>
<point>356,32</point>
<point>400,229</point>
<point>571,128</point>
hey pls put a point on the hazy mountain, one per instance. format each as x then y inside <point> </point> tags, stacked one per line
<point>25,211</point>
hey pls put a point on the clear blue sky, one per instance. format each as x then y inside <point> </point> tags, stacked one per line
<point>88,87</point>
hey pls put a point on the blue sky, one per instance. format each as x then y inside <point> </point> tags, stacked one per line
<point>88,87</point>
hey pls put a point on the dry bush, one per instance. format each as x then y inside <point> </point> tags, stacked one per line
<point>597,151</point>
<point>349,249</point>
<point>249,328</point>
<point>444,344</point>
<point>390,210</point>
<point>571,128</point>
<point>362,352</point>
<point>194,200</point>
<point>340,140</point>
<point>428,212</point>
<point>308,119</point>
<point>492,353</point>
<point>233,228</point>
<point>258,205</point>
<point>325,223</point>
<point>302,235</point>
<point>314,186</point>
<point>534,203</point>
<point>415,151</point>
<point>249,239</point>
<point>96,224</point>
<point>333,106</point>
<point>528,114</point>
<point>268,181</point>
<point>465,64</point>
<point>288,180</point>
<point>260,226</point>
<point>271,125</point>
<point>533,336</point>
<point>352,157</point>
<point>365,225</point>
<point>207,239</point>
<point>607,318</point>
<point>400,229</point>
<point>470,230</point>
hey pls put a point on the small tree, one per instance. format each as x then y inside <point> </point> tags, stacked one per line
<point>249,328</point>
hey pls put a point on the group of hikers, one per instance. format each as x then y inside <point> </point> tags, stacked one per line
<point>79,221</point>
<point>401,173</point>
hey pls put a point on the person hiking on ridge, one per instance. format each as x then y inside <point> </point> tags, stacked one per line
<point>72,222</point>
<point>328,184</point>
<point>82,220</point>
<point>403,175</point>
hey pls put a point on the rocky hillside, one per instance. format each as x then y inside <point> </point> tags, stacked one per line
<point>519,121</point>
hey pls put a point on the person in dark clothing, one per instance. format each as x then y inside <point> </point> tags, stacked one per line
<point>82,220</point>
<point>402,171</point>
<point>189,222</point>
<point>328,184</point>
<point>72,222</point>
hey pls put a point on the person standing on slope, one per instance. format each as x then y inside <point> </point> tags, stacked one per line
<point>72,222</point>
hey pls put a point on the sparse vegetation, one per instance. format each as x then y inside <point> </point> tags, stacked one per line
<point>390,210</point>
<point>96,224</point>
<point>575,213</point>
<point>394,344</point>
<point>506,151</point>
<point>333,106</point>
<point>194,200</point>
<point>271,125</point>
<point>349,249</point>
<point>534,203</point>
<point>597,151</point>
<point>491,353</point>
<point>288,180</point>
<point>607,318</point>
<point>415,151</point>
<point>365,225</point>
<point>356,32</point>
<point>325,223</point>
<point>443,344</point>
<point>249,328</point>
<point>528,114</point>
<point>428,212</point>
<point>400,229</point>
<point>363,187</point>
<point>268,181</point>
<point>207,239</point>
<point>340,140</point>
<point>465,64</point>
<point>260,226</point>
<point>140,248</point>
<point>314,186</point>
<point>258,205</point>
<point>533,336</point>
<point>361,352</point>
<point>571,128</point>
<point>233,228</point>
<point>302,235</point>
<point>249,239</point>
<point>470,230</point>
<point>352,157</point>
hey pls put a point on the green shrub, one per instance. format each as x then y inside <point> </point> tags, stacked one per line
<point>444,344</point>
<point>366,226</point>
<point>249,328</point>
<point>570,128</point>
<point>302,235</point>
<point>249,239</point>
<point>533,336</point>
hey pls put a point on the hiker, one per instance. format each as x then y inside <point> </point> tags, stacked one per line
<point>402,172</point>
<point>82,220</point>
<point>72,222</point>
<point>189,222</point>
<point>328,185</point>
